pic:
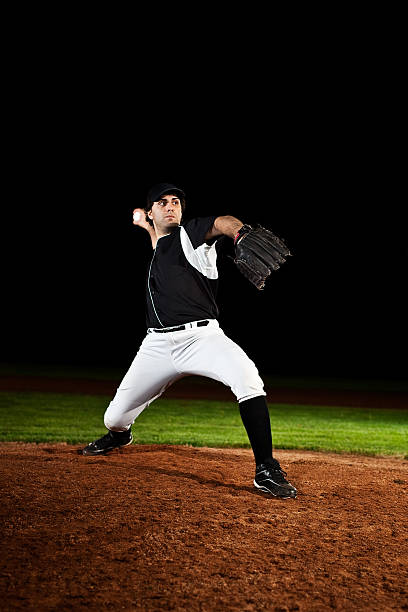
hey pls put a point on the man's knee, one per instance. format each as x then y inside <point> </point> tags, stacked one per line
<point>115,421</point>
<point>250,385</point>
<point>119,416</point>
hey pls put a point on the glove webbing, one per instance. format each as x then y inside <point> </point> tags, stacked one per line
<point>263,247</point>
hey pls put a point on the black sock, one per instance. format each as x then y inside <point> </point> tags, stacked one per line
<point>120,435</point>
<point>255,417</point>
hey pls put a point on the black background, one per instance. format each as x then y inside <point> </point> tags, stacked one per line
<point>336,308</point>
<point>303,146</point>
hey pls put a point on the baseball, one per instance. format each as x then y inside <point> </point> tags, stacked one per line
<point>136,216</point>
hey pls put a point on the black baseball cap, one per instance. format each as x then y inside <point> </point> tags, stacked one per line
<point>158,191</point>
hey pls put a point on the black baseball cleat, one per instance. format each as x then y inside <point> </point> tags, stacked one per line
<point>270,478</point>
<point>112,440</point>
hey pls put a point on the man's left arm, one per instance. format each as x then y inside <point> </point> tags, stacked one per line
<point>224,226</point>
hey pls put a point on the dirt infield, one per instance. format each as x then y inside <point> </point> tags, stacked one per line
<point>177,528</point>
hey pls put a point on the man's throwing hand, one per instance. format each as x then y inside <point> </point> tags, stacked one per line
<point>139,218</point>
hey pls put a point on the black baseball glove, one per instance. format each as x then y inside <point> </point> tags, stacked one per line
<point>257,252</point>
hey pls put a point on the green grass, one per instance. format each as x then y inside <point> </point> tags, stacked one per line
<point>57,417</point>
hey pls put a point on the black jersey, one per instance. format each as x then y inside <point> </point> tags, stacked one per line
<point>182,279</point>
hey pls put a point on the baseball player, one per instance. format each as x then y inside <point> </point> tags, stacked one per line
<point>183,334</point>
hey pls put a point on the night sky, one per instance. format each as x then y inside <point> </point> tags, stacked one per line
<point>77,264</point>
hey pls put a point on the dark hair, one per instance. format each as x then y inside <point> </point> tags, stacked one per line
<point>150,204</point>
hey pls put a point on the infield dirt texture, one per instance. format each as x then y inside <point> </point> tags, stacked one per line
<point>152,528</point>
<point>178,528</point>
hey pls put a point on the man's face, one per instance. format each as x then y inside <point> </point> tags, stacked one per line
<point>166,212</point>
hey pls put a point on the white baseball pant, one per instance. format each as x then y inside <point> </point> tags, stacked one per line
<point>164,358</point>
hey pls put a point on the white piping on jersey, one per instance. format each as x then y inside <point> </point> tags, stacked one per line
<point>148,284</point>
<point>203,259</point>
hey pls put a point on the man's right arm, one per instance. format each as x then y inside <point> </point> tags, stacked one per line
<point>141,221</point>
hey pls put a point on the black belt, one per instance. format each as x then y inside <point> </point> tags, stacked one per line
<point>180,328</point>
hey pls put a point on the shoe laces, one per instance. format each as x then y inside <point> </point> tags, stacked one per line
<point>104,438</point>
<point>275,470</point>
